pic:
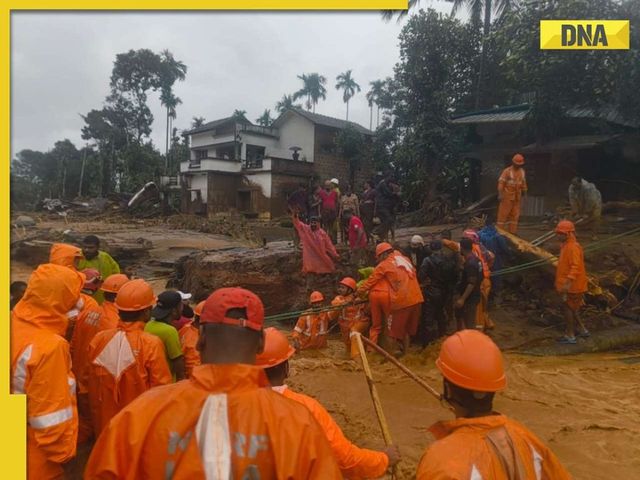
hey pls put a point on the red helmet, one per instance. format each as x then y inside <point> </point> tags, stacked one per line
<point>316,297</point>
<point>224,299</point>
<point>276,349</point>
<point>93,280</point>
<point>348,282</point>
<point>470,359</point>
<point>134,296</point>
<point>565,226</point>
<point>383,247</point>
<point>114,282</point>
<point>518,159</point>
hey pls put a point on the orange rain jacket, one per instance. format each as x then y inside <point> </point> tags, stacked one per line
<point>189,340</point>
<point>512,183</point>
<point>571,267</point>
<point>41,368</point>
<point>64,254</point>
<point>122,363</point>
<point>110,314</point>
<point>311,330</point>
<point>485,448</point>
<point>402,279</point>
<point>353,318</point>
<point>220,423</point>
<point>355,463</point>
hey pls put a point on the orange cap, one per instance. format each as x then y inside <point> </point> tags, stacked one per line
<point>383,247</point>
<point>114,282</point>
<point>316,297</point>
<point>348,282</point>
<point>276,349</point>
<point>518,159</point>
<point>198,308</point>
<point>135,295</point>
<point>224,299</point>
<point>470,359</point>
<point>565,226</point>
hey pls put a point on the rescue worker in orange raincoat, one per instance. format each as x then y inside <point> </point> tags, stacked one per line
<point>395,274</point>
<point>481,443</point>
<point>189,334</point>
<point>351,318</point>
<point>110,289</point>
<point>355,463</point>
<point>65,255</point>
<point>571,281</point>
<point>89,322</point>
<point>512,185</point>
<point>220,423</point>
<point>124,362</point>
<point>41,368</point>
<point>312,326</point>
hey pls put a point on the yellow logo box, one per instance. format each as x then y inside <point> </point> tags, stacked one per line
<point>584,34</point>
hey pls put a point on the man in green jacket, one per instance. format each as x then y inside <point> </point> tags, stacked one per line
<point>97,259</point>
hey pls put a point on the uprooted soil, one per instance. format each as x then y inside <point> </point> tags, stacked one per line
<point>584,406</point>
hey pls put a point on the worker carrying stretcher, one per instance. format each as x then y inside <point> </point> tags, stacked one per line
<point>351,318</point>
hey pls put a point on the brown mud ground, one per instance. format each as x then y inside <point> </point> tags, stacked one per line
<point>584,406</point>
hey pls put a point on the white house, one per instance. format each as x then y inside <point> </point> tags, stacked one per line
<point>236,165</point>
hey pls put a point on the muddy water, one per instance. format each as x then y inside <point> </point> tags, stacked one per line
<point>585,407</point>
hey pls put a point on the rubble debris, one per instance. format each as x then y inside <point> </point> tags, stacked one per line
<point>24,221</point>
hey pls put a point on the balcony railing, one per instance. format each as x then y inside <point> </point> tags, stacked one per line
<point>270,132</point>
<point>252,163</point>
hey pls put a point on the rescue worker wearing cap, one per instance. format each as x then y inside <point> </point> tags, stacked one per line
<point>480,443</point>
<point>89,322</point>
<point>312,326</point>
<point>571,281</point>
<point>351,318</point>
<point>41,368</point>
<point>110,288</point>
<point>354,462</point>
<point>512,185</point>
<point>125,361</point>
<point>222,422</point>
<point>189,334</point>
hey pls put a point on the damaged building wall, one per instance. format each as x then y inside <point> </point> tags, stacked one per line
<point>221,192</point>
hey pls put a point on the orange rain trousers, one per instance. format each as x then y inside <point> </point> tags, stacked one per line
<point>123,363</point>
<point>220,423</point>
<point>511,185</point>
<point>355,463</point>
<point>404,322</point>
<point>380,306</point>
<point>482,447</point>
<point>41,368</point>
<point>354,318</point>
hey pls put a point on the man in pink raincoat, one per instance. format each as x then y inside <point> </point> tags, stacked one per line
<point>318,252</point>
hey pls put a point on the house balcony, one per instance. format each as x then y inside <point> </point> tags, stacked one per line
<point>207,164</point>
<point>258,130</point>
<point>284,166</point>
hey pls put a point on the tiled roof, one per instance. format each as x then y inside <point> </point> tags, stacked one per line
<point>328,121</point>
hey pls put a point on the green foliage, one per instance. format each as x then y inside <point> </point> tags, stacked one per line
<point>349,86</point>
<point>265,119</point>
<point>313,89</point>
<point>285,103</point>
<point>352,146</point>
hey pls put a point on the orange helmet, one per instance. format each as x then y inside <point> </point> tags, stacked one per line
<point>276,349</point>
<point>565,226</point>
<point>198,308</point>
<point>92,279</point>
<point>470,359</point>
<point>316,297</point>
<point>348,282</point>
<point>113,282</point>
<point>383,247</point>
<point>518,159</point>
<point>135,295</point>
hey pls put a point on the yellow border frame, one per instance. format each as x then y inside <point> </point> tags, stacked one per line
<point>13,407</point>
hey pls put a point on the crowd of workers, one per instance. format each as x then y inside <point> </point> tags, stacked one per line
<point>170,390</point>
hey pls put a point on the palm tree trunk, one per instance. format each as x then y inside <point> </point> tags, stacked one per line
<point>347,110</point>
<point>378,114</point>
<point>166,145</point>
<point>483,55</point>
<point>371,117</point>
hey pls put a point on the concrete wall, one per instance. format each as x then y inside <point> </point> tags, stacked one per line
<point>231,166</point>
<point>295,131</point>
<point>222,192</point>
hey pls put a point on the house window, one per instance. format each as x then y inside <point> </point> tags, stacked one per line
<point>255,154</point>
<point>201,154</point>
<point>226,153</point>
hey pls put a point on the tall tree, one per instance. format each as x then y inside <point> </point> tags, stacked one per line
<point>313,89</point>
<point>240,115</point>
<point>197,122</point>
<point>171,70</point>
<point>286,103</point>
<point>349,87</point>
<point>265,119</point>
<point>373,97</point>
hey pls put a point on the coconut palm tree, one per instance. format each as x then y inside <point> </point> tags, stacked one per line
<point>170,71</point>
<point>197,122</point>
<point>373,96</point>
<point>313,89</point>
<point>265,119</point>
<point>240,115</point>
<point>286,103</point>
<point>349,87</point>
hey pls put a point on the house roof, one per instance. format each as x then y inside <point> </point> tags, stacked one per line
<point>570,143</point>
<point>325,121</point>
<point>211,125</point>
<point>516,113</point>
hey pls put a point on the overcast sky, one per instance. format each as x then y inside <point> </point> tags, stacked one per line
<point>61,63</point>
